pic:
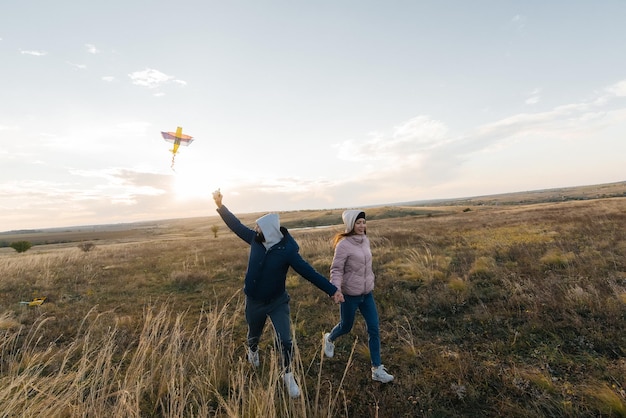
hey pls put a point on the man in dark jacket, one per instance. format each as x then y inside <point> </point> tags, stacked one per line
<point>272,251</point>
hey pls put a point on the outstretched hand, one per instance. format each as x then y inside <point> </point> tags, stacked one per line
<point>338,297</point>
<point>217,196</point>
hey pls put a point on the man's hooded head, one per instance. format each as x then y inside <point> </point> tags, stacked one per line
<point>270,227</point>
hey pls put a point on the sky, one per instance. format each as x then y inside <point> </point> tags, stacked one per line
<point>301,104</point>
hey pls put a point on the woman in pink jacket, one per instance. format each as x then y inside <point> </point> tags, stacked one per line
<point>351,272</point>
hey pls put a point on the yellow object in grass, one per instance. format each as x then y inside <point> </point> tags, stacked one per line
<point>34,302</point>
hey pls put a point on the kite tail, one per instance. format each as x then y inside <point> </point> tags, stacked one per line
<point>173,156</point>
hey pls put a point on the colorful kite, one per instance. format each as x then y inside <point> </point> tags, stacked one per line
<point>177,138</point>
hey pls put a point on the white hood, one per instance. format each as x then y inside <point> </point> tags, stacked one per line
<point>349,218</point>
<point>270,226</point>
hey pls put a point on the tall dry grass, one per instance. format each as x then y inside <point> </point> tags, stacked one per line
<point>168,370</point>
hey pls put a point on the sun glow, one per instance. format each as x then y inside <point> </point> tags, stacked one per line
<point>191,184</point>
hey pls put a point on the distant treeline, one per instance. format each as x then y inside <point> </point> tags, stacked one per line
<point>4,244</point>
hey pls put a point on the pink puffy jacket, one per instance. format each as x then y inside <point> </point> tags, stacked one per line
<point>351,270</point>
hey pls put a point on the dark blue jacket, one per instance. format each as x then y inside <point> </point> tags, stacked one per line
<point>267,270</point>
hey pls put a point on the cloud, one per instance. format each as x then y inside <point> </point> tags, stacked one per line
<point>33,53</point>
<point>108,194</point>
<point>533,97</point>
<point>403,142</point>
<point>78,66</point>
<point>423,153</point>
<point>519,22</point>
<point>149,78</point>
<point>618,89</point>
<point>152,78</point>
<point>91,49</point>
<point>108,78</point>
<point>556,121</point>
<point>126,186</point>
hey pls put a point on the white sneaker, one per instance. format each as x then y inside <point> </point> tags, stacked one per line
<point>292,386</point>
<point>329,347</point>
<point>253,357</point>
<point>380,374</point>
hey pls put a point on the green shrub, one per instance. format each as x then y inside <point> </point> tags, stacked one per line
<point>21,246</point>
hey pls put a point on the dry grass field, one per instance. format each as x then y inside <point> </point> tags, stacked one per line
<point>508,306</point>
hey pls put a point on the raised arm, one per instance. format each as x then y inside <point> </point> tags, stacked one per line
<point>231,221</point>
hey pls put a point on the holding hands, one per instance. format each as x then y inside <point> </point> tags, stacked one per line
<point>338,297</point>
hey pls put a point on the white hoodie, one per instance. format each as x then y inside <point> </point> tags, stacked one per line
<point>270,226</point>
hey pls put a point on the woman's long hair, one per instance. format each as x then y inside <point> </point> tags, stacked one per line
<point>341,235</point>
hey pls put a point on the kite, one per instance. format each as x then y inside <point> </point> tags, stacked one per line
<point>177,138</point>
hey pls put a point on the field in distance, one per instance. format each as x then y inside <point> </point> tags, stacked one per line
<point>203,226</point>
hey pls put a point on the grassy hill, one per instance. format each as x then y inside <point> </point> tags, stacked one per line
<point>489,307</point>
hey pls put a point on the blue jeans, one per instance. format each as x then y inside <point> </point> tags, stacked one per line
<point>367,306</point>
<point>277,310</point>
